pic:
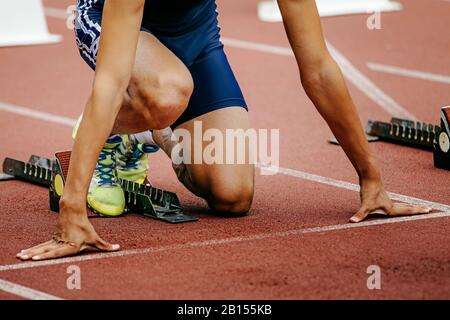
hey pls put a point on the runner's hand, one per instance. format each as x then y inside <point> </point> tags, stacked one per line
<point>374,200</point>
<point>74,233</point>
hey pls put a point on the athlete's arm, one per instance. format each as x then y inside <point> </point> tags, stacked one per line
<point>325,86</point>
<point>115,59</point>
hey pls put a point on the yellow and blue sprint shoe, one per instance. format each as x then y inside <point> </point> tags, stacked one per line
<point>132,159</point>
<point>105,195</point>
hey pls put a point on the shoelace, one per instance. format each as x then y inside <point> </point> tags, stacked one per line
<point>132,159</point>
<point>106,166</point>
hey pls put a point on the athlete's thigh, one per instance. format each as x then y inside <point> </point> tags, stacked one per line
<point>223,177</point>
<point>159,88</point>
<point>154,64</point>
<point>152,57</point>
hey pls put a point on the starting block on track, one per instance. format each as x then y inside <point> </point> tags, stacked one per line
<point>441,145</point>
<point>37,170</point>
<point>140,198</point>
<point>406,132</point>
<point>415,134</point>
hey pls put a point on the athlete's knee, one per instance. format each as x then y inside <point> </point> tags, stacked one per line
<point>163,99</point>
<point>232,198</point>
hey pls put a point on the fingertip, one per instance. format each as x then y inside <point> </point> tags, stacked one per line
<point>115,247</point>
<point>36,258</point>
<point>354,219</point>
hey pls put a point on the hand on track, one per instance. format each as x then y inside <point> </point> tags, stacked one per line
<point>374,200</point>
<point>74,233</point>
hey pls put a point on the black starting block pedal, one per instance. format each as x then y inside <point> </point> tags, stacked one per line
<point>140,198</point>
<point>37,170</point>
<point>441,146</point>
<point>153,202</point>
<point>415,134</point>
<point>405,132</point>
<point>4,176</point>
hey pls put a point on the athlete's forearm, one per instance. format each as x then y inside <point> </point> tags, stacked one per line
<point>115,60</point>
<point>98,120</point>
<point>334,103</point>
<point>324,83</point>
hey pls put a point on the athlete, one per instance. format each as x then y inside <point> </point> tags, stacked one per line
<point>160,65</point>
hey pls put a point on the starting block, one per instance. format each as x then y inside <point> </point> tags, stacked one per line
<point>140,198</point>
<point>414,134</point>
<point>37,170</point>
<point>441,145</point>
<point>406,132</point>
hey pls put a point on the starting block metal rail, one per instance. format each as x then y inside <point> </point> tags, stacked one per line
<point>405,132</point>
<point>441,146</point>
<point>415,134</point>
<point>140,198</point>
<point>37,170</point>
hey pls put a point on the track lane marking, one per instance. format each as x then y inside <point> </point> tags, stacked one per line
<point>411,73</point>
<point>356,77</point>
<point>40,115</point>
<point>25,292</point>
<point>223,241</point>
<point>57,12</point>
<point>353,187</point>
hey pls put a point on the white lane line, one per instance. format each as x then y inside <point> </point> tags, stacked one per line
<point>354,187</point>
<point>422,75</point>
<point>224,241</point>
<point>358,79</point>
<point>266,48</point>
<point>367,86</point>
<point>57,13</point>
<point>25,292</point>
<point>27,112</point>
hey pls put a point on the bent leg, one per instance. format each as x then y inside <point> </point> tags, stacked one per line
<point>160,86</point>
<point>159,89</point>
<point>227,188</point>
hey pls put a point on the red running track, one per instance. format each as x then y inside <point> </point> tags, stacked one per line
<point>282,250</point>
